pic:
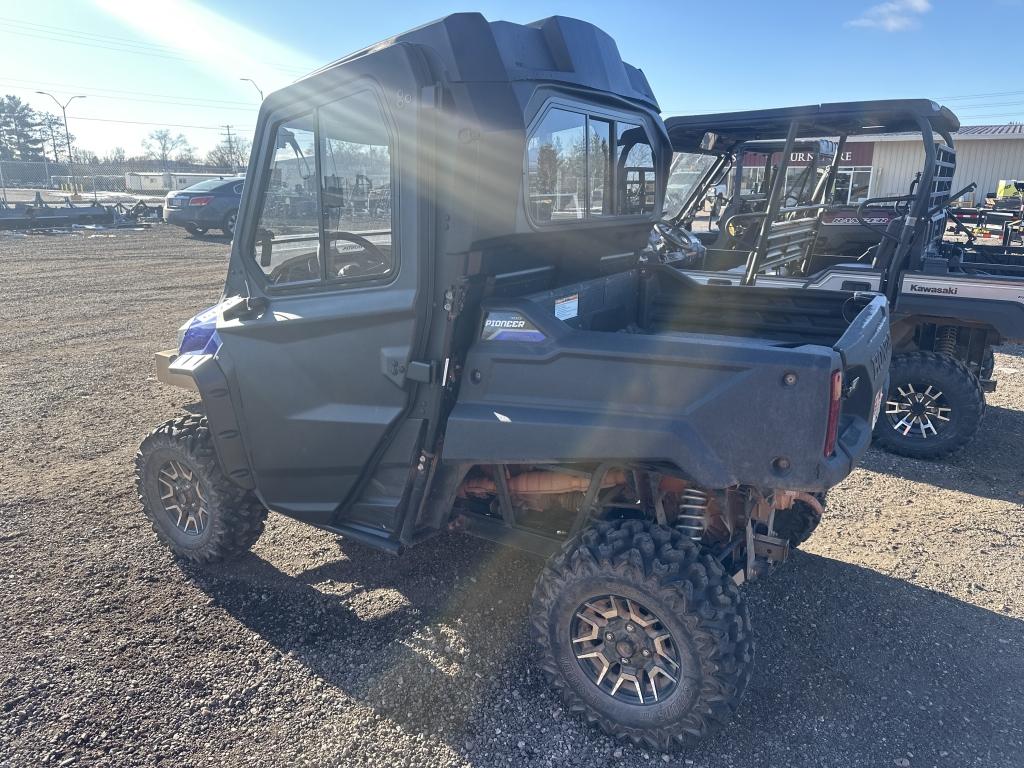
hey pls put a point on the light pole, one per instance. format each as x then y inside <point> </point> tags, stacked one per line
<point>250,80</point>
<point>67,134</point>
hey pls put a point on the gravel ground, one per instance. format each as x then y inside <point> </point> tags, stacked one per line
<point>894,639</point>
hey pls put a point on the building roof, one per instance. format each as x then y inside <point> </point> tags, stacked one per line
<point>966,132</point>
<point>1011,129</point>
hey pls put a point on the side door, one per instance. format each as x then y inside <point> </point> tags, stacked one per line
<point>333,266</point>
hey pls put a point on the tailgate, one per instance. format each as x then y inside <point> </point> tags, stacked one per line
<point>865,350</point>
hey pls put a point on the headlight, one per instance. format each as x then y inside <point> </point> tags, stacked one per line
<point>199,334</point>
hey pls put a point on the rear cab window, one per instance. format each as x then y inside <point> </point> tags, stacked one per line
<point>582,167</point>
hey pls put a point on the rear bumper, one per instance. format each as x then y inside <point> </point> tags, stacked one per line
<point>198,216</point>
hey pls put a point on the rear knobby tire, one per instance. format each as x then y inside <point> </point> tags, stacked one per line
<point>227,520</point>
<point>914,373</point>
<point>693,599</point>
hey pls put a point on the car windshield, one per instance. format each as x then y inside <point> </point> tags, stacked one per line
<point>688,169</point>
<point>209,185</point>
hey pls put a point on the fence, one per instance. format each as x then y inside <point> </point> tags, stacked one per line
<point>133,177</point>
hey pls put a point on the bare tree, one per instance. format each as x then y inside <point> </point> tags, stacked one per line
<point>233,154</point>
<point>116,155</point>
<point>187,154</point>
<point>161,144</point>
<point>51,130</point>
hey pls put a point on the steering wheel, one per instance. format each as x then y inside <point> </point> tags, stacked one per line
<point>374,257</point>
<point>671,235</point>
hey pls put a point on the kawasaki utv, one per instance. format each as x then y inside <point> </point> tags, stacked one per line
<point>950,303</point>
<point>485,348</point>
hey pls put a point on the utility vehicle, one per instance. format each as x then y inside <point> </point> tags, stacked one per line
<point>489,351</point>
<point>950,302</point>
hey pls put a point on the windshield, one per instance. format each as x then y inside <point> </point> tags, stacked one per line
<point>688,170</point>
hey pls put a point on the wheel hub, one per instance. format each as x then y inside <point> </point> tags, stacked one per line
<point>183,497</point>
<point>625,650</point>
<point>917,414</point>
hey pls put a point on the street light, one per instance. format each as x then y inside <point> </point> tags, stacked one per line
<point>67,134</point>
<point>250,80</point>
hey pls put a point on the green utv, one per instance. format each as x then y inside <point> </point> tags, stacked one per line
<point>439,314</point>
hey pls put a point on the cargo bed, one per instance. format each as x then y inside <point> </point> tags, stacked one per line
<point>730,383</point>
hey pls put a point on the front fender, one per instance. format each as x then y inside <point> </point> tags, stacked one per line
<point>203,373</point>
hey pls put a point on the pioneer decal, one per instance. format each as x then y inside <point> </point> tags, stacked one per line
<point>509,326</point>
<point>948,290</point>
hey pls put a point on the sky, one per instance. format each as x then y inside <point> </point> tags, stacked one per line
<point>177,63</point>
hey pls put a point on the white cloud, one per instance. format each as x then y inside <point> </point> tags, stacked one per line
<point>892,16</point>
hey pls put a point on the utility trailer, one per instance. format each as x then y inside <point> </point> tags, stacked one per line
<point>950,303</point>
<point>491,352</point>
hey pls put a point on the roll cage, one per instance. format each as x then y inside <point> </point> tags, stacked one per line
<point>785,235</point>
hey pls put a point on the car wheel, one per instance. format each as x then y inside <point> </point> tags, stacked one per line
<point>193,229</point>
<point>229,224</point>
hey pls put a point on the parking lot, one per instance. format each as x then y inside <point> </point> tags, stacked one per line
<point>894,638</point>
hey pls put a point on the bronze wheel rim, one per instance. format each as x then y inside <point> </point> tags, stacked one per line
<point>625,650</point>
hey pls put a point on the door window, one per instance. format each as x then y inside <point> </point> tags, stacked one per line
<point>287,245</point>
<point>326,209</point>
<point>355,164</point>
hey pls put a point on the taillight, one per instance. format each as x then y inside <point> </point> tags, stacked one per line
<point>199,200</point>
<point>835,396</point>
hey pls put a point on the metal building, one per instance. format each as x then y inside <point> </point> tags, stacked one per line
<point>984,154</point>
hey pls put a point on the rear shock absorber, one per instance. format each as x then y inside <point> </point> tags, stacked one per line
<point>692,515</point>
<point>946,340</point>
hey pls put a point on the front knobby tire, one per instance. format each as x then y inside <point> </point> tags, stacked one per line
<point>933,408</point>
<point>195,511</point>
<point>642,633</point>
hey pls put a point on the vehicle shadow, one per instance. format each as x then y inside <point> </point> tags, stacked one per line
<point>989,466</point>
<point>854,667</point>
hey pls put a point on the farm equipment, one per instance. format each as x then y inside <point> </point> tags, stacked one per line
<point>950,303</point>
<point>41,215</point>
<point>498,357</point>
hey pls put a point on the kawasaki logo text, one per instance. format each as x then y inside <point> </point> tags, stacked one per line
<point>915,288</point>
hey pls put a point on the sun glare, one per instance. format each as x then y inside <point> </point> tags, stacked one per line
<point>230,48</point>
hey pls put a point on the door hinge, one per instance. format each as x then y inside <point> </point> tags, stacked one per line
<point>423,372</point>
<point>454,299</point>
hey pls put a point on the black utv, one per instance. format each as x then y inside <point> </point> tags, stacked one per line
<point>950,303</point>
<point>437,315</point>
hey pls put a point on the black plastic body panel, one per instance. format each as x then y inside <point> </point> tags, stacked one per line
<point>221,418</point>
<point>718,407</point>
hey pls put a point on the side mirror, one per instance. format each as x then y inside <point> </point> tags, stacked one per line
<point>285,138</point>
<point>707,143</point>
<point>266,240</point>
